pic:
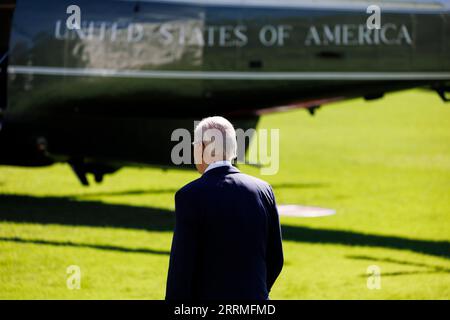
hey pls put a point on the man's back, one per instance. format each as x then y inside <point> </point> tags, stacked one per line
<point>227,240</point>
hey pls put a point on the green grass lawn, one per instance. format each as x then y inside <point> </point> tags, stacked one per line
<point>384,166</point>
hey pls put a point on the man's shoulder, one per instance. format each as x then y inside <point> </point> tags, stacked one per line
<point>197,187</point>
<point>246,178</point>
<point>189,189</point>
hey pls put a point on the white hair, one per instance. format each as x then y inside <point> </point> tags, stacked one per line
<point>224,143</point>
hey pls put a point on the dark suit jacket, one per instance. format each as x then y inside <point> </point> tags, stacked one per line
<point>227,239</point>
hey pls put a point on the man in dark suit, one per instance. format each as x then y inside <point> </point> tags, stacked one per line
<point>227,239</point>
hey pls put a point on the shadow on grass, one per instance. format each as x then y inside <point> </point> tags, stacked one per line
<point>303,234</point>
<point>66,211</point>
<point>84,245</point>
<point>425,268</point>
<point>288,185</point>
<point>136,192</point>
<point>173,190</point>
<point>400,262</point>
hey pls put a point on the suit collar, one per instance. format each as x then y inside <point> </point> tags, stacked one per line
<point>218,164</point>
<point>223,170</point>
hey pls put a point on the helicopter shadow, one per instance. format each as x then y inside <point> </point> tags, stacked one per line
<point>71,212</point>
<point>152,191</point>
<point>422,268</point>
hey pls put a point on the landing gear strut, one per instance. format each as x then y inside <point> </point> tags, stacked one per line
<point>81,168</point>
<point>442,92</point>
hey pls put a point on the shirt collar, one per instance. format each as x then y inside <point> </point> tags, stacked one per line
<point>217,164</point>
